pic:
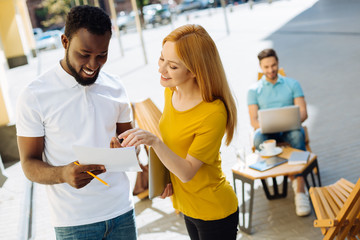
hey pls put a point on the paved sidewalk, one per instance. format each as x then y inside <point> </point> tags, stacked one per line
<point>317,43</point>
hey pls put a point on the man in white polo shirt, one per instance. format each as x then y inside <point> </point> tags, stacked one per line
<point>75,103</point>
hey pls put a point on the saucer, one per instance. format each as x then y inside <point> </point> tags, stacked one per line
<point>277,151</point>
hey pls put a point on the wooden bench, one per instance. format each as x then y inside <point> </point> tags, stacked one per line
<point>147,116</point>
<point>337,208</point>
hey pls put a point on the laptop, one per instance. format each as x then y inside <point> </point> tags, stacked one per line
<point>159,175</point>
<point>282,119</point>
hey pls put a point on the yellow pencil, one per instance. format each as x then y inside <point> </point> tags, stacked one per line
<point>93,175</point>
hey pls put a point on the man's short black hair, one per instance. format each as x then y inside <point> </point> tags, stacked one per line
<point>93,19</point>
<point>269,52</point>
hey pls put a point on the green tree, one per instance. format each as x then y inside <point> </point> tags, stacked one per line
<point>140,4</point>
<point>56,12</point>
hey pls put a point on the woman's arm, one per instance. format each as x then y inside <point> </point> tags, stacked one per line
<point>184,168</point>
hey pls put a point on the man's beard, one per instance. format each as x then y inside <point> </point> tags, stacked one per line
<point>272,76</point>
<point>82,81</point>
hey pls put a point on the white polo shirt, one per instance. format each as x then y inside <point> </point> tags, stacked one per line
<point>65,113</point>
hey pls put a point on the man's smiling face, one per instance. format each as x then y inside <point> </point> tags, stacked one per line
<point>85,54</point>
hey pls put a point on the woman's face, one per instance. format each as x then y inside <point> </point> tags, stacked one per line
<point>173,71</point>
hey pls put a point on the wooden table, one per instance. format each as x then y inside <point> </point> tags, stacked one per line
<point>248,175</point>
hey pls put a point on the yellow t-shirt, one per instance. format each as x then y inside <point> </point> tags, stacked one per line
<point>198,132</point>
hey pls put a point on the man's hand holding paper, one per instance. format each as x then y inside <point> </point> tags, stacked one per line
<point>114,159</point>
<point>77,176</point>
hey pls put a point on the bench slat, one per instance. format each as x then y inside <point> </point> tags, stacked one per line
<point>335,197</point>
<point>331,201</point>
<point>338,193</point>
<point>326,204</point>
<point>347,214</point>
<point>337,208</point>
<point>346,182</point>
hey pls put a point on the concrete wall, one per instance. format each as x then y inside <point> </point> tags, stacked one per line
<point>16,32</point>
<point>26,26</point>
<point>4,117</point>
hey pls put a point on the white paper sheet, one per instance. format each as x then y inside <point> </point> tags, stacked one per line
<point>114,159</point>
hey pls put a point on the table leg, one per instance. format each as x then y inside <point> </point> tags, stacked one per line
<point>244,225</point>
<point>318,172</point>
<point>310,170</point>
<point>276,194</point>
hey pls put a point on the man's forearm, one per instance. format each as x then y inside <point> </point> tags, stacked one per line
<point>40,172</point>
<point>255,124</point>
<point>303,116</point>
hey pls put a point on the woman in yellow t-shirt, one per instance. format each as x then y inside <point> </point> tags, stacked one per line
<point>199,109</point>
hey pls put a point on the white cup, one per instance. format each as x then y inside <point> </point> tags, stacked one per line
<point>268,146</point>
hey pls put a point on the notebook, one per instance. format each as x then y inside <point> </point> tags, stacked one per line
<point>282,119</point>
<point>159,175</point>
<point>268,163</point>
<point>299,157</point>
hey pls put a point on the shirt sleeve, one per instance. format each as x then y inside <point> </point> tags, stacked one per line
<point>207,140</point>
<point>29,119</point>
<point>297,90</point>
<point>252,97</point>
<point>125,113</point>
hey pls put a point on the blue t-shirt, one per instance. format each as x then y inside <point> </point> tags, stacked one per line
<point>268,95</point>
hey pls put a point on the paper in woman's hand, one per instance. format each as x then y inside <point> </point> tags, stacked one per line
<point>114,159</point>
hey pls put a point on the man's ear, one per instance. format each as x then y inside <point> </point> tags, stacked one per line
<point>65,41</point>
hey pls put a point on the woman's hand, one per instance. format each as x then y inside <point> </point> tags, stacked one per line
<point>168,191</point>
<point>136,137</point>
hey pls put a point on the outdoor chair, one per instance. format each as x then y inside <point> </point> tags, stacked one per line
<point>337,208</point>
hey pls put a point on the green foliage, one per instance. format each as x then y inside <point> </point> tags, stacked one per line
<point>141,3</point>
<point>56,12</point>
<point>41,13</point>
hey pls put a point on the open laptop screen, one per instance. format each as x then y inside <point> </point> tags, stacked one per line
<point>282,119</point>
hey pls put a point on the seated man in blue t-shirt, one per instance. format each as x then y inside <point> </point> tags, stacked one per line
<point>273,91</point>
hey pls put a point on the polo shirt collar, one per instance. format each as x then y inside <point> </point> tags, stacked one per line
<point>67,79</point>
<point>279,80</point>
